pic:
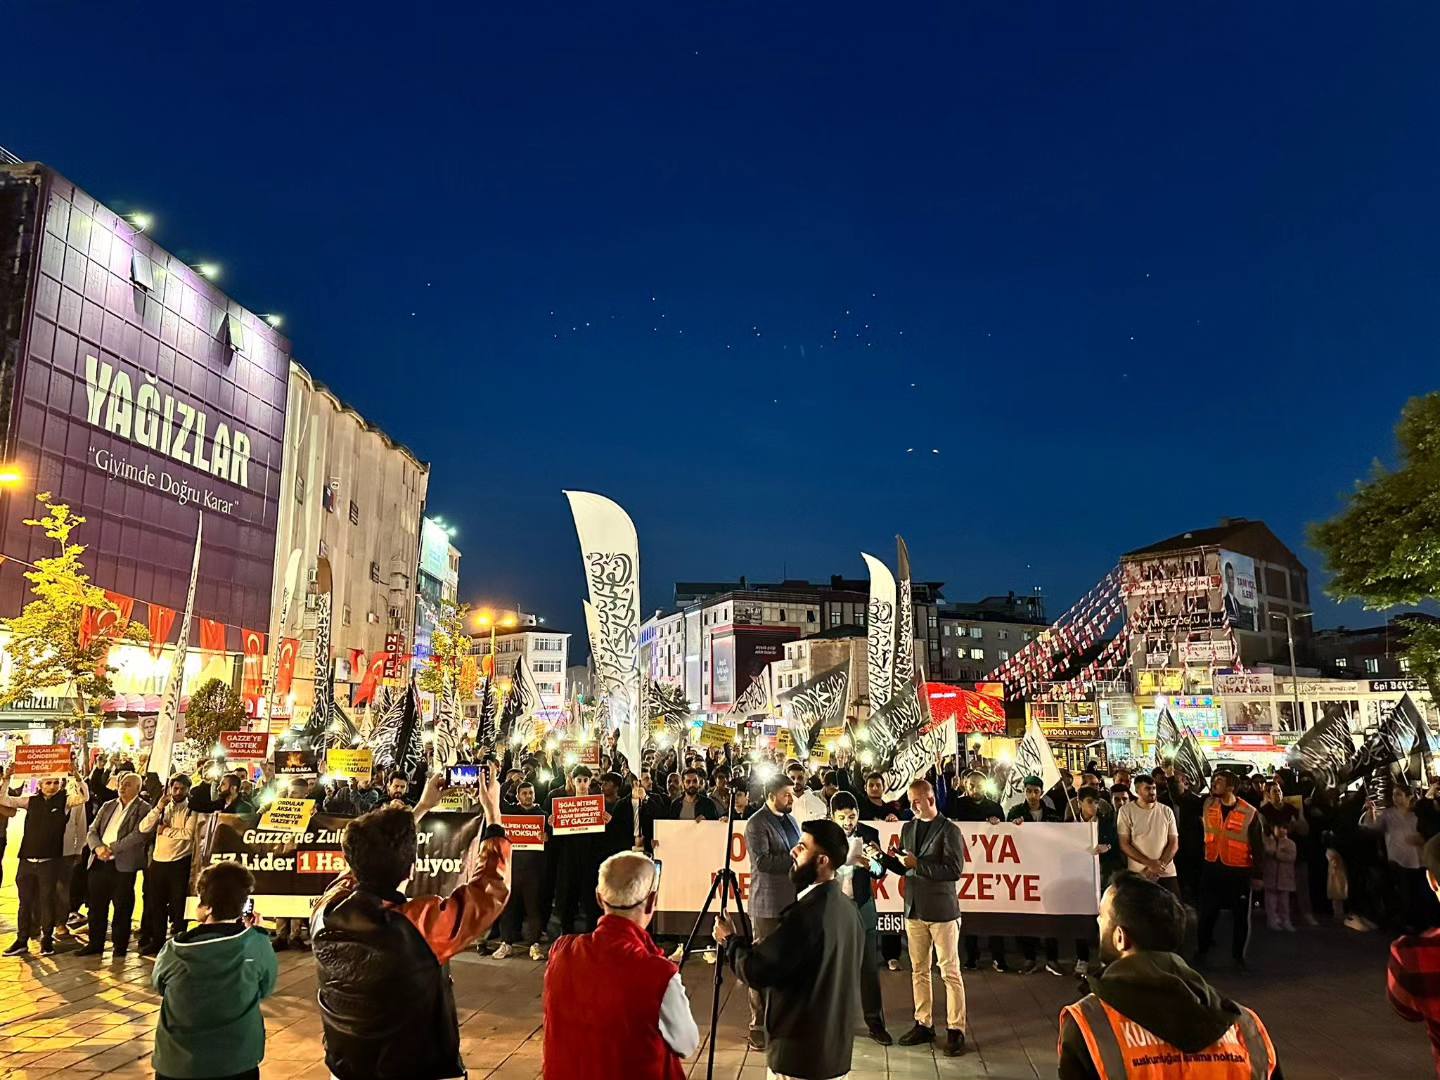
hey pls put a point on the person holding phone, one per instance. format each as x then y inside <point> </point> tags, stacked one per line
<point>212,979</point>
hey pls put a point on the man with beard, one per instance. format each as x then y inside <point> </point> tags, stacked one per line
<point>523,917</point>
<point>770,838</point>
<point>167,875</point>
<point>856,879</point>
<point>693,804</point>
<point>807,964</point>
<point>1149,1013</point>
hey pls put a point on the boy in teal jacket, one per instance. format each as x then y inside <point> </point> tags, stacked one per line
<point>212,979</point>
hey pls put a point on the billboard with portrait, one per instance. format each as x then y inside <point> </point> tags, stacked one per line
<point>1238,594</point>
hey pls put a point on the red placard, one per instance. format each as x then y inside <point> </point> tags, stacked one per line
<point>245,745</point>
<point>571,815</point>
<point>43,760</point>
<point>526,832</point>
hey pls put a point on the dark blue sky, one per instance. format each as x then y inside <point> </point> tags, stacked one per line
<point>1128,272</point>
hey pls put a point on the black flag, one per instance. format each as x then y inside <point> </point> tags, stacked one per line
<point>396,739</point>
<point>487,730</point>
<point>1328,750</point>
<point>1183,750</point>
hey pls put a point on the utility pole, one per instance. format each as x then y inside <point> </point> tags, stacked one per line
<point>1294,678</point>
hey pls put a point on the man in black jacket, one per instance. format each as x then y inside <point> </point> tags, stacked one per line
<point>1035,807</point>
<point>693,804</point>
<point>857,878</point>
<point>807,964</point>
<point>931,859</point>
<point>972,804</point>
<point>1149,1007</point>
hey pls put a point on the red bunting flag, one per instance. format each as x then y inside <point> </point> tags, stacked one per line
<point>162,621</point>
<point>212,636</point>
<point>366,690</point>
<point>289,650</point>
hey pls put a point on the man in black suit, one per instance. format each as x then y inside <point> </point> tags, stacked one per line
<point>931,860</point>
<point>807,964</point>
<point>856,879</point>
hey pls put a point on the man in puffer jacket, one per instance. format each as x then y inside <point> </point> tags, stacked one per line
<point>212,979</point>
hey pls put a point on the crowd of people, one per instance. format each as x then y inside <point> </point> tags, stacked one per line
<point>1171,860</point>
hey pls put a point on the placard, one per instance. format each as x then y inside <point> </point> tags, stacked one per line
<point>245,745</point>
<point>295,763</point>
<point>43,761</point>
<point>572,815</point>
<point>288,815</point>
<point>526,831</point>
<point>717,735</point>
<point>351,764</point>
<point>586,753</point>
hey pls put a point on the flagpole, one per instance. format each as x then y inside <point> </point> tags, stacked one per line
<point>162,748</point>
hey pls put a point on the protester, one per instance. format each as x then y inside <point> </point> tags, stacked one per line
<point>524,916</point>
<point>874,806</point>
<point>212,979</point>
<point>52,817</point>
<point>1034,807</point>
<point>577,867</point>
<point>1279,878</point>
<point>352,800</point>
<point>857,878</point>
<point>386,1000</point>
<point>118,852</point>
<point>1149,835</point>
<point>1403,843</point>
<point>770,838</point>
<point>931,860</point>
<point>167,874</point>
<point>1107,851</point>
<point>645,1030</point>
<point>693,804</point>
<point>1148,1014</point>
<point>1189,810</point>
<point>972,804</point>
<point>1234,848</point>
<point>806,965</point>
<point>1413,978</point>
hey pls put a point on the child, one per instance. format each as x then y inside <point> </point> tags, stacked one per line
<point>1279,877</point>
<point>212,979</point>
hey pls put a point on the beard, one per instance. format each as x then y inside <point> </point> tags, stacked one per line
<point>1108,952</point>
<point>803,875</point>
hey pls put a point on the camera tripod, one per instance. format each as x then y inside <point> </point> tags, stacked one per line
<point>726,885</point>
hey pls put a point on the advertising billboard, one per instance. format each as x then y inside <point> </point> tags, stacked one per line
<point>435,551</point>
<point>142,397</point>
<point>722,671</point>
<point>1237,590</point>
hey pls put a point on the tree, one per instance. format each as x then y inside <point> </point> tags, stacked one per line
<point>46,645</point>
<point>1383,549</point>
<point>449,649</point>
<point>214,707</point>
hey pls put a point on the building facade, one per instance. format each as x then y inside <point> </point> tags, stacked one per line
<point>1345,653</point>
<point>975,638</point>
<point>353,496</point>
<point>546,652</point>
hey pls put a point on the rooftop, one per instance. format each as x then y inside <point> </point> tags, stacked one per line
<point>1241,535</point>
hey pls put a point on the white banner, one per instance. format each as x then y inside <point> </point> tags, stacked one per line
<point>611,553</point>
<point>880,633</point>
<point>1033,757</point>
<point>162,748</point>
<point>1031,869</point>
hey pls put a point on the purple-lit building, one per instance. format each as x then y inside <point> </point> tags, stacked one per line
<point>136,391</point>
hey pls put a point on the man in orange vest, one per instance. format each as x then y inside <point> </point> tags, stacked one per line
<point>1150,1015</point>
<point>1234,846</point>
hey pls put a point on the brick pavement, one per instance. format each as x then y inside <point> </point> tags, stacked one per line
<point>1321,992</point>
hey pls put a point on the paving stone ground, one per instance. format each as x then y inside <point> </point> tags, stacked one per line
<point>1321,992</point>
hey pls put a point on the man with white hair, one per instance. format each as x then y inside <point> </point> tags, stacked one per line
<point>118,850</point>
<point>614,1005</point>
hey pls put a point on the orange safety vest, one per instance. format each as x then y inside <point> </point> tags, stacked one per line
<point>1120,1048</point>
<point>1227,836</point>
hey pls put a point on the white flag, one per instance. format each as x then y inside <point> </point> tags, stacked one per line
<point>880,633</point>
<point>162,750</point>
<point>1032,758</point>
<point>611,553</point>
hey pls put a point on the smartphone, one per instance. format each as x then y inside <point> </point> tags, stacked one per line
<point>463,776</point>
<point>249,906</point>
<point>659,866</point>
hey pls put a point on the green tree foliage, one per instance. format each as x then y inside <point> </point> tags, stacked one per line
<point>214,707</point>
<point>45,645</point>
<point>449,650</point>
<point>1383,548</point>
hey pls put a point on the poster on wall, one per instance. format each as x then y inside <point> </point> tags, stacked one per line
<point>722,671</point>
<point>1238,593</point>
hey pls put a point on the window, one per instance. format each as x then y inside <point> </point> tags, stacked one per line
<point>375,572</point>
<point>834,616</point>
<point>1002,634</point>
<point>300,489</point>
<point>1341,662</point>
<point>977,654</point>
<point>977,631</point>
<point>141,272</point>
<point>1372,665</point>
<point>810,615</point>
<point>354,512</point>
<point>933,621</point>
<point>782,614</point>
<point>1004,655</point>
<point>345,613</point>
<point>1404,665</point>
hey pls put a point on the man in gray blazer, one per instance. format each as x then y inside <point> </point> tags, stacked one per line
<point>931,861</point>
<point>771,835</point>
<point>118,850</point>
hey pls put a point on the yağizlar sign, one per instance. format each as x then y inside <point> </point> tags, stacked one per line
<point>160,421</point>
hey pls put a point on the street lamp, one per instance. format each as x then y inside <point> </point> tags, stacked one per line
<point>11,476</point>
<point>1290,640</point>
<point>486,617</point>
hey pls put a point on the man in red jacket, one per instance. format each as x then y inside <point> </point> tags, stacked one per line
<point>614,1005</point>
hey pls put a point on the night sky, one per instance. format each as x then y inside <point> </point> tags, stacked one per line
<point>1032,286</point>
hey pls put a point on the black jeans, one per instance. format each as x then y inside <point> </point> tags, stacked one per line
<point>166,884</point>
<point>1029,948</point>
<point>575,896</point>
<point>521,922</point>
<point>38,884</point>
<point>871,1003</point>
<point>972,949</point>
<point>1221,889</point>
<point>107,886</point>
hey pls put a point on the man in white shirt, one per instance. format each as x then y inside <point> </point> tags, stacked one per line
<point>167,877</point>
<point>1148,834</point>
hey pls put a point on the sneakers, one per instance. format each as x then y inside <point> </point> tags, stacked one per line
<point>954,1042</point>
<point>971,965</point>
<point>20,947</point>
<point>1053,967</point>
<point>1030,967</point>
<point>502,951</point>
<point>76,921</point>
<point>537,953</point>
<point>893,965</point>
<point>1082,968</point>
<point>1000,966</point>
<point>91,950</point>
<point>47,946</point>
<point>1355,922</point>
<point>917,1035</point>
<point>756,1040</point>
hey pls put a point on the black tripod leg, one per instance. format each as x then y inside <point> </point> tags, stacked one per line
<point>731,882</point>
<point>700,920</point>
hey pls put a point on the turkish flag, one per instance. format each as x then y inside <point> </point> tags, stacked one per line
<point>373,673</point>
<point>162,620</point>
<point>107,624</point>
<point>357,661</point>
<point>289,650</point>
<point>254,668</point>
<point>212,636</point>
